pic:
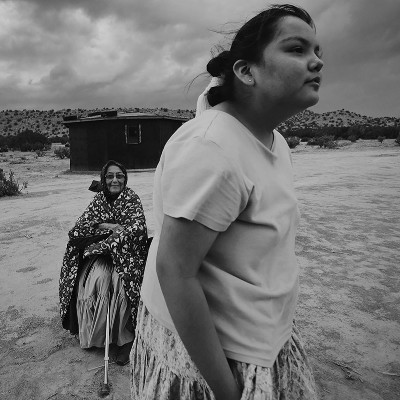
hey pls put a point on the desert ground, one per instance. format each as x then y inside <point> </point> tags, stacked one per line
<point>348,250</point>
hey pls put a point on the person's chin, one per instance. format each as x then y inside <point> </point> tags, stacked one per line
<point>312,100</point>
<point>115,190</point>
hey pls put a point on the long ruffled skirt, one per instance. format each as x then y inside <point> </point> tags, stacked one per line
<point>99,286</point>
<point>161,369</point>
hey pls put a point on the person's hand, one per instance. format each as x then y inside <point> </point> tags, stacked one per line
<point>111,227</point>
<point>118,228</point>
<point>105,225</point>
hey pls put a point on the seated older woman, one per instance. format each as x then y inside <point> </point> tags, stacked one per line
<point>103,265</point>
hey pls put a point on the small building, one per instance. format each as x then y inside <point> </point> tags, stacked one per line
<point>134,139</point>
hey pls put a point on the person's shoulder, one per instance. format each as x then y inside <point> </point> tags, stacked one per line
<point>216,123</point>
<point>207,137</point>
<point>98,197</point>
<point>280,139</point>
<point>196,126</point>
<point>282,149</point>
<point>278,135</point>
<point>206,122</point>
<point>130,196</point>
<point>129,192</point>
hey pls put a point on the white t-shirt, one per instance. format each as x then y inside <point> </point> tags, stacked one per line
<point>214,171</point>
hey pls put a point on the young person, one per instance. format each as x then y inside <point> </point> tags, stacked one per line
<point>221,280</point>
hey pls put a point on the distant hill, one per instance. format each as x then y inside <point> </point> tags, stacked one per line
<point>49,122</point>
<point>338,118</point>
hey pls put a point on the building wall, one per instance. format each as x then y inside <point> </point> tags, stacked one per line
<point>88,143</point>
<point>145,154</point>
<point>93,143</point>
<point>78,148</point>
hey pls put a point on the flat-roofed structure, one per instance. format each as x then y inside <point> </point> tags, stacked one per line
<point>134,139</point>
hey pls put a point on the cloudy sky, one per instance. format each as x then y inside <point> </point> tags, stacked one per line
<point>144,53</point>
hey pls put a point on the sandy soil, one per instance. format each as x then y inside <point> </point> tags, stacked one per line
<point>348,251</point>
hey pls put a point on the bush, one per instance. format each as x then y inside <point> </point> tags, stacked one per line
<point>381,138</point>
<point>59,139</point>
<point>325,141</point>
<point>344,132</point>
<point>9,186</point>
<point>312,142</point>
<point>39,146</point>
<point>352,138</point>
<point>330,144</point>
<point>62,152</point>
<point>40,153</point>
<point>25,147</point>
<point>293,141</point>
<point>27,140</point>
<point>398,140</point>
<point>3,142</point>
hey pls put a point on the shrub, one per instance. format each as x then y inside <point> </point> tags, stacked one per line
<point>381,139</point>
<point>28,140</point>
<point>3,141</point>
<point>40,153</point>
<point>63,139</point>
<point>293,141</point>
<point>325,141</point>
<point>398,140</point>
<point>330,144</point>
<point>25,146</point>
<point>38,146</point>
<point>62,152</point>
<point>9,186</point>
<point>312,142</point>
<point>352,138</point>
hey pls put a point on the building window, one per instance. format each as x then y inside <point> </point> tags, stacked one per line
<point>133,134</point>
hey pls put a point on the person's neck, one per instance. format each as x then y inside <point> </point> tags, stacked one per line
<point>260,123</point>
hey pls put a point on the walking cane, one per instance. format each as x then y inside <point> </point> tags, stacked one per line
<point>105,387</point>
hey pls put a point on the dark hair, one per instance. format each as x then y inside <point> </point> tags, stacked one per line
<point>103,176</point>
<point>248,44</point>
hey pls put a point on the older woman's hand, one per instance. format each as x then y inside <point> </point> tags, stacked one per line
<point>111,227</point>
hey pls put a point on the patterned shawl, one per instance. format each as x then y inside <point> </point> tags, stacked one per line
<point>127,247</point>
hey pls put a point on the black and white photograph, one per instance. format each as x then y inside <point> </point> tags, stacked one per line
<point>199,200</point>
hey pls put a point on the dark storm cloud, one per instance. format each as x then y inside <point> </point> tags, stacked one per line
<point>86,53</point>
<point>361,44</point>
<point>368,31</point>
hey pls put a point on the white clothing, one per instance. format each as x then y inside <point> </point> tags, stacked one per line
<point>214,171</point>
<point>202,101</point>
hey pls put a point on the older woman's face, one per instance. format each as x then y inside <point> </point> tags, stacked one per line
<point>115,179</point>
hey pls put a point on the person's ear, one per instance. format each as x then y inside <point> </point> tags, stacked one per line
<point>242,70</point>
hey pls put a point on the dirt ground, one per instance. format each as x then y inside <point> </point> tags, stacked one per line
<point>348,250</point>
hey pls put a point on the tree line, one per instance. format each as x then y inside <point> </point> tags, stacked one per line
<point>353,133</point>
<point>29,140</point>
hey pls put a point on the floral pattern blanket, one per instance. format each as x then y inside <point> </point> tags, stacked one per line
<point>127,247</point>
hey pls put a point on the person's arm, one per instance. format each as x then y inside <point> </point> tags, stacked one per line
<point>86,224</point>
<point>183,246</point>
